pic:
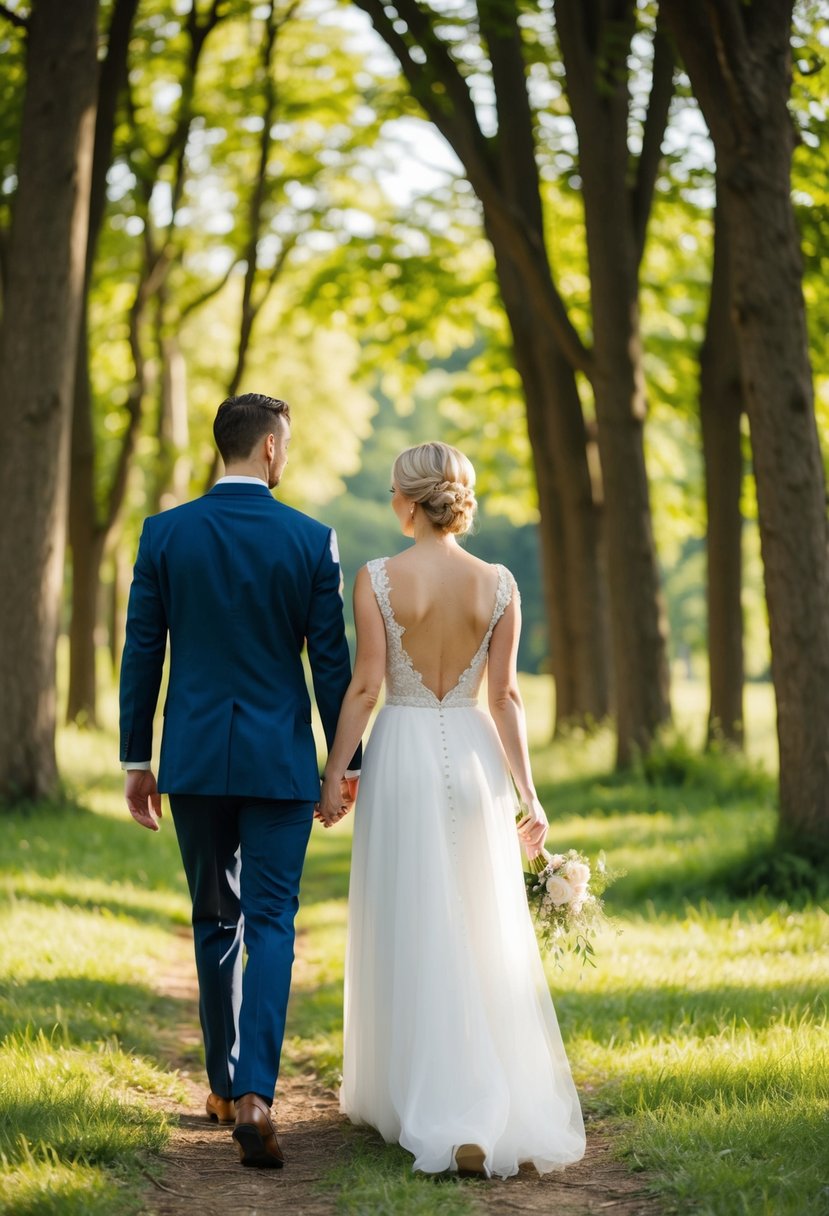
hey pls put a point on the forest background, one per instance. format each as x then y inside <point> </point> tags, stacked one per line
<point>587,241</point>
<point>500,223</point>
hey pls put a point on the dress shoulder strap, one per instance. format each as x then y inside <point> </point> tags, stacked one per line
<point>507,588</point>
<point>380,586</point>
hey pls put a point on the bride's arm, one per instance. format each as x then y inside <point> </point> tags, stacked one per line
<point>507,710</point>
<point>361,696</point>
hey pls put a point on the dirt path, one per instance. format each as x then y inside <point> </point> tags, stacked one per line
<point>202,1175</point>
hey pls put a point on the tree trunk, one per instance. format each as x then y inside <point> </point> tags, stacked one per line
<point>117,615</point>
<point>86,532</point>
<point>721,404</point>
<point>86,542</point>
<point>597,88</point>
<point>739,62</point>
<point>174,426</point>
<point>791,492</point>
<point>94,531</point>
<point>569,516</point>
<point>548,351</point>
<point>37,353</point>
<point>638,619</point>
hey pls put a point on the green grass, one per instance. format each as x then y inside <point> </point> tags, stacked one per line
<point>89,906</point>
<point>699,1041</point>
<point>376,1179</point>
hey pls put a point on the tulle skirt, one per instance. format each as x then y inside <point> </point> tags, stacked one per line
<point>450,1033</point>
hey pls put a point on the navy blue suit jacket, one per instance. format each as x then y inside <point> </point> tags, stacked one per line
<point>240,582</point>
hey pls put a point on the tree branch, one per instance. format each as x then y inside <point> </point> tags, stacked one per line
<point>19,22</point>
<point>198,301</point>
<point>135,406</point>
<point>276,270</point>
<point>438,84</point>
<point>444,94</point>
<point>518,165</point>
<point>110,83</point>
<point>647,168</point>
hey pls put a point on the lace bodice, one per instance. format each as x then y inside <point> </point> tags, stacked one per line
<point>404,684</point>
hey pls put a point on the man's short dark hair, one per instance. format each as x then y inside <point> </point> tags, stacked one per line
<point>242,421</point>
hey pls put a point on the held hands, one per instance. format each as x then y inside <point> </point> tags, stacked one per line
<point>532,829</point>
<point>143,798</point>
<point>336,799</point>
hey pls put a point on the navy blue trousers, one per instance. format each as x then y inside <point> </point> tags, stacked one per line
<point>243,859</point>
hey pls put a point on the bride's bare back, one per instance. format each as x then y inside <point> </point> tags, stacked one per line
<point>443,597</point>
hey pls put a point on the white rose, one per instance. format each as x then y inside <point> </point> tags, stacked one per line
<point>559,890</point>
<point>578,873</point>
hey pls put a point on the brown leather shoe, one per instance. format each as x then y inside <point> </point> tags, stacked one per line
<point>255,1134</point>
<point>220,1110</point>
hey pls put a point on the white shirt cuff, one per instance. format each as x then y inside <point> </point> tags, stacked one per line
<point>351,773</point>
<point>144,765</point>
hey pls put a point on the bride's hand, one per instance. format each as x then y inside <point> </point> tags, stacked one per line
<point>532,829</point>
<point>332,806</point>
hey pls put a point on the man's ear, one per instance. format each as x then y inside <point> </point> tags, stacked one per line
<point>270,447</point>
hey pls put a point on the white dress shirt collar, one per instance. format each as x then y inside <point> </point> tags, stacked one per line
<point>238,479</point>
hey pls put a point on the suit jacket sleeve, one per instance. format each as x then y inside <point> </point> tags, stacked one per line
<point>143,658</point>
<point>327,645</point>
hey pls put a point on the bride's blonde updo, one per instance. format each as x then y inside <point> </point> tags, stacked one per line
<point>441,480</point>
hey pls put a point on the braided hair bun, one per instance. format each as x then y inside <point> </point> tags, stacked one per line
<point>441,480</point>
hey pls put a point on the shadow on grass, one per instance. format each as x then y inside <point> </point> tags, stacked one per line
<point>75,1011</point>
<point>67,839</point>
<point>68,895</point>
<point>686,1014</point>
<point>728,872</point>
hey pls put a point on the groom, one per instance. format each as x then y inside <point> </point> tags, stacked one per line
<point>240,583</point>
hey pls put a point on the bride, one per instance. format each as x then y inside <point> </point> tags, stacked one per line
<point>451,1046</point>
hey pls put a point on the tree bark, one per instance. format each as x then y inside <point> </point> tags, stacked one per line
<point>721,407</point>
<point>570,525</point>
<point>89,528</point>
<point>739,62</point>
<point>174,426</point>
<point>86,541</point>
<point>571,535</point>
<point>44,292</point>
<point>594,46</point>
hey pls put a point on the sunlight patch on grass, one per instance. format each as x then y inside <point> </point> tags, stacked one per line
<point>67,1113</point>
<point>42,1185</point>
<point>705,1014</point>
<point>88,907</point>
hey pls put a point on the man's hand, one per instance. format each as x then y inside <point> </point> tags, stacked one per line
<point>143,798</point>
<point>348,789</point>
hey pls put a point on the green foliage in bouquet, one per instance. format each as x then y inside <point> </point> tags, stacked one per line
<point>565,892</point>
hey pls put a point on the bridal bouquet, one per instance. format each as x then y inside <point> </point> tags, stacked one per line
<point>565,898</point>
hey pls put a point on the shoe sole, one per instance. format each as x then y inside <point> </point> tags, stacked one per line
<point>252,1149</point>
<point>470,1160</point>
<point>221,1122</point>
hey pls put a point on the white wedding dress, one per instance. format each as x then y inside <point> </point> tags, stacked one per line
<point>450,1033</point>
